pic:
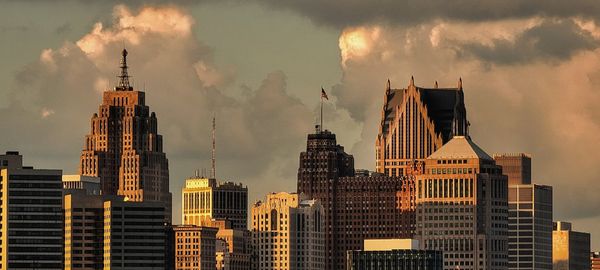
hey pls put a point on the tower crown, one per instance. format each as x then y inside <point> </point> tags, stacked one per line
<point>124,75</point>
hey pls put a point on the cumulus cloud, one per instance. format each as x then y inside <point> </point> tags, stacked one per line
<point>259,134</point>
<point>530,86</point>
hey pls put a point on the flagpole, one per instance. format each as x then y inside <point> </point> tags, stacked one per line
<point>321,110</point>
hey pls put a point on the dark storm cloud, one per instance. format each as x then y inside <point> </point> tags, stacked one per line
<point>357,12</point>
<point>551,40</point>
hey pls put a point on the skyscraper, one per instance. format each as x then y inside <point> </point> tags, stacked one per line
<point>516,166</point>
<point>529,227</point>
<point>287,232</point>
<point>203,199</point>
<point>124,148</point>
<point>462,207</point>
<point>106,232</point>
<point>570,249</point>
<point>32,217</point>
<point>356,206</point>
<point>394,254</point>
<point>415,122</point>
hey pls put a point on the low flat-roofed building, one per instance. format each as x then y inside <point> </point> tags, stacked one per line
<point>391,254</point>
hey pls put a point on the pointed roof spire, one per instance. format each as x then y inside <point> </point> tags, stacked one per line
<point>388,86</point>
<point>436,85</point>
<point>412,81</point>
<point>460,83</point>
<point>123,76</point>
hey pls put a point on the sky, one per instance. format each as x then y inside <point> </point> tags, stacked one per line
<point>530,71</point>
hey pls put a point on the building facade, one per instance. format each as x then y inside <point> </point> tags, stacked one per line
<point>570,249</point>
<point>124,148</point>
<point>415,122</point>
<point>32,217</point>
<point>234,249</point>
<point>195,247</point>
<point>90,184</point>
<point>287,232</point>
<point>84,230</point>
<point>595,260</point>
<point>462,207</point>
<point>516,166</point>
<point>356,206</point>
<point>529,227</point>
<point>394,254</point>
<point>203,200</point>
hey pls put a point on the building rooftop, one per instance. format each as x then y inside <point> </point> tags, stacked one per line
<point>389,244</point>
<point>460,147</point>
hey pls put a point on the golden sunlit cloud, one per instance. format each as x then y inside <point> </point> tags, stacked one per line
<point>357,42</point>
<point>129,28</point>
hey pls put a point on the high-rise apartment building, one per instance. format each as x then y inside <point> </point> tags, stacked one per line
<point>107,232</point>
<point>124,148</point>
<point>32,217</point>
<point>394,254</point>
<point>415,122</point>
<point>570,249</point>
<point>529,227</point>
<point>462,207</point>
<point>195,247</point>
<point>203,199</point>
<point>287,233</point>
<point>356,206</point>
<point>516,166</point>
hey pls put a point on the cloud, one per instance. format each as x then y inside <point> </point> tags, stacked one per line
<point>259,134</point>
<point>344,13</point>
<point>531,88</point>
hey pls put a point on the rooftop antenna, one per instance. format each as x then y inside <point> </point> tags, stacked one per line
<point>124,76</point>
<point>213,169</point>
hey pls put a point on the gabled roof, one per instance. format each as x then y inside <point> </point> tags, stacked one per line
<point>460,147</point>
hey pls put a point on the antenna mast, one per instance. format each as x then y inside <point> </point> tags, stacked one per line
<point>213,171</point>
<point>124,75</point>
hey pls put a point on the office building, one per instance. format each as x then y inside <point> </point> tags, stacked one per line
<point>124,148</point>
<point>529,227</point>
<point>516,166</point>
<point>195,247</point>
<point>204,200</point>
<point>394,254</point>
<point>415,122</point>
<point>287,233</point>
<point>234,249</point>
<point>357,205</point>
<point>109,232</point>
<point>90,184</point>
<point>32,217</point>
<point>84,230</point>
<point>570,249</point>
<point>462,207</point>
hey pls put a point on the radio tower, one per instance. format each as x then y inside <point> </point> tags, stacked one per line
<point>213,170</point>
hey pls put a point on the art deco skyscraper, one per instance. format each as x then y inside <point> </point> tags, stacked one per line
<point>415,122</point>
<point>124,148</point>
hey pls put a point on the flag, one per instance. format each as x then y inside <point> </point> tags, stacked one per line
<point>323,94</point>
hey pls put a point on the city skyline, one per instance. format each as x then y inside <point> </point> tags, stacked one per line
<point>190,71</point>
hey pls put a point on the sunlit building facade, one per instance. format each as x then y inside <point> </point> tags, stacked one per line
<point>124,148</point>
<point>204,200</point>
<point>462,207</point>
<point>570,249</point>
<point>195,247</point>
<point>415,122</point>
<point>287,232</point>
